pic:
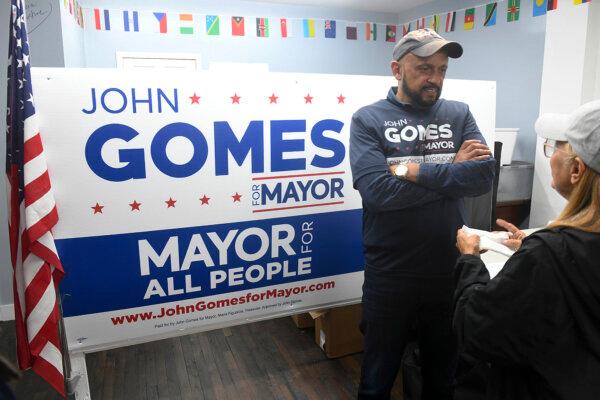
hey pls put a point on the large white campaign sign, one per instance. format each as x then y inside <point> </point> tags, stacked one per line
<point>202,200</point>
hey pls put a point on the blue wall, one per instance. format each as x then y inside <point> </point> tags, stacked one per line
<point>296,54</point>
<point>72,40</point>
<point>511,54</point>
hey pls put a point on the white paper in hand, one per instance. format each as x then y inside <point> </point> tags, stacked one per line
<point>490,240</point>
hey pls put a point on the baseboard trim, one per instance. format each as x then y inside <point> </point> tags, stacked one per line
<point>7,312</point>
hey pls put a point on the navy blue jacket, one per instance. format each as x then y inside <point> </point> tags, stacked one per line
<point>410,228</point>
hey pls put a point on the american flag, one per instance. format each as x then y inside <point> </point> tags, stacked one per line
<point>32,214</point>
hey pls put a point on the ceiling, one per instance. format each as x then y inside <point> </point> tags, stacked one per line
<point>387,6</point>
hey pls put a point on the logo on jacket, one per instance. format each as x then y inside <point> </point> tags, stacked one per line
<point>411,133</point>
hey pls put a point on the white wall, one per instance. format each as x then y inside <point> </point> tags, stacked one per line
<point>570,70</point>
<point>591,79</point>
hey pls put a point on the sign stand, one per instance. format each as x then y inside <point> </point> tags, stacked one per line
<point>77,382</point>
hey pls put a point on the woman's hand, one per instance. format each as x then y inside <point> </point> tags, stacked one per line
<point>515,236</point>
<point>467,244</point>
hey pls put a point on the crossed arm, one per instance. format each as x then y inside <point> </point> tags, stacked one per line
<point>470,174</point>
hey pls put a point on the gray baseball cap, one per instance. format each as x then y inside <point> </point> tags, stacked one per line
<point>581,129</point>
<point>424,43</point>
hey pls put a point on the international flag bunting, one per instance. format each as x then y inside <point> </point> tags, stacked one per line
<point>552,5</point>
<point>212,25</point>
<point>513,10</point>
<point>577,2</point>
<point>450,17</point>
<point>390,33</point>
<point>490,14</point>
<point>130,21</point>
<point>540,7</point>
<point>370,31</point>
<point>421,23</point>
<point>285,28</point>
<point>77,10</point>
<point>308,28</point>
<point>469,19</point>
<point>80,16</point>
<point>162,21</point>
<point>351,32</point>
<point>237,26</point>
<point>330,29</point>
<point>186,24</point>
<point>405,29</point>
<point>262,27</point>
<point>32,214</point>
<point>102,19</point>
<point>435,23</point>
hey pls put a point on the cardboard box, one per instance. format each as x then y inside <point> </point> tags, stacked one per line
<point>337,332</point>
<point>303,320</point>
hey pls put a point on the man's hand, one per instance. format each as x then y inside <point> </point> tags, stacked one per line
<point>515,236</point>
<point>472,150</point>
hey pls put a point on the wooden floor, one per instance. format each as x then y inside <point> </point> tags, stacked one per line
<point>264,360</point>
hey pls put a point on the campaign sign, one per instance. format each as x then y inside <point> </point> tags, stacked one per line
<point>202,200</point>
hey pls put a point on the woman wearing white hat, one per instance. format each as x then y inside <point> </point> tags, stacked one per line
<point>537,323</point>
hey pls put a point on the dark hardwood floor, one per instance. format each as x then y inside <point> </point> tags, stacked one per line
<point>264,360</point>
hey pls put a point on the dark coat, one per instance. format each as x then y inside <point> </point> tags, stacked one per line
<point>537,323</point>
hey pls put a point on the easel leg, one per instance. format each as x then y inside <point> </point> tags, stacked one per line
<point>77,382</point>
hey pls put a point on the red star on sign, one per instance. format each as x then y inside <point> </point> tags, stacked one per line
<point>195,99</point>
<point>341,99</point>
<point>97,208</point>
<point>204,199</point>
<point>135,205</point>
<point>170,202</point>
<point>273,99</point>
<point>308,99</point>
<point>235,99</point>
<point>237,197</point>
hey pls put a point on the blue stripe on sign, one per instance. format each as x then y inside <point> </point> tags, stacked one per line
<point>126,20</point>
<point>103,273</point>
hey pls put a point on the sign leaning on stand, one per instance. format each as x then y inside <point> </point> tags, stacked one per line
<point>194,202</point>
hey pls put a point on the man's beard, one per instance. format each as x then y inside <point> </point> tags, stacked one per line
<point>415,96</point>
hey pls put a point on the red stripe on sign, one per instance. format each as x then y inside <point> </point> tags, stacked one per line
<point>303,206</point>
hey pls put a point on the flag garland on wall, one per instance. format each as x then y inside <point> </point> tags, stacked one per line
<point>135,21</point>
<point>75,9</point>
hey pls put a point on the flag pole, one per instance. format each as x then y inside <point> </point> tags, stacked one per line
<point>70,381</point>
